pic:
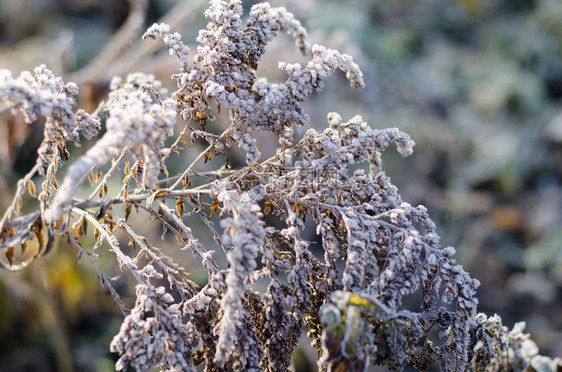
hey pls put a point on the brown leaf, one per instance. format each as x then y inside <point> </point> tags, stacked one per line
<point>128,209</point>
<point>10,255</point>
<point>159,193</point>
<point>180,207</point>
<point>50,244</point>
<point>214,207</point>
<point>38,230</point>
<point>31,188</point>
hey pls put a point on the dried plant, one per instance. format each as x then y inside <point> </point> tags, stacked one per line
<point>355,298</point>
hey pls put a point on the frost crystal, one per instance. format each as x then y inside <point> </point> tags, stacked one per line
<point>316,237</point>
<point>153,333</point>
<point>44,94</point>
<point>134,121</point>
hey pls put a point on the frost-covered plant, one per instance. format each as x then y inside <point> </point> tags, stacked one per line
<point>498,349</point>
<point>44,94</point>
<point>355,298</point>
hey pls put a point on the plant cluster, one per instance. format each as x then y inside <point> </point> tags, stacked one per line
<point>351,289</point>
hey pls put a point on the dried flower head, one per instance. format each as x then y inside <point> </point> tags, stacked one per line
<point>137,120</point>
<point>316,237</point>
<point>43,94</point>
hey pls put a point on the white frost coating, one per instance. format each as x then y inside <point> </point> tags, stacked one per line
<point>224,69</point>
<point>244,232</point>
<point>44,94</point>
<point>134,121</point>
<point>153,308</point>
<point>162,31</point>
<point>378,250</point>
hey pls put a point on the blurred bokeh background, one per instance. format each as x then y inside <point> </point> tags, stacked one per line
<point>476,83</point>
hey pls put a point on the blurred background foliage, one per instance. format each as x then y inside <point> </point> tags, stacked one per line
<point>476,83</point>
